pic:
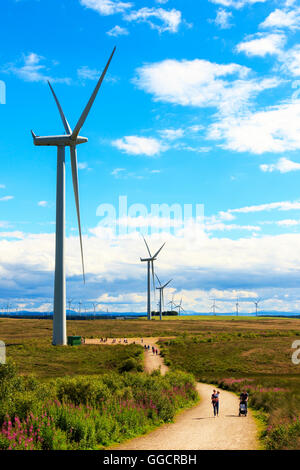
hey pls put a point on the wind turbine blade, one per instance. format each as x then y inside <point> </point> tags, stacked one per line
<point>159,250</point>
<point>87,109</point>
<point>158,279</point>
<point>167,283</point>
<point>147,247</point>
<point>76,194</point>
<point>63,118</point>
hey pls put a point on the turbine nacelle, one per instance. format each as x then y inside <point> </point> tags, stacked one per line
<point>58,140</point>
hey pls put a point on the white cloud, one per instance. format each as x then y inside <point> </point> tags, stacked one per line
<point>291,62</point>
<point>201,83</point>
<point>85,73</point>
<point>223,19</point>
<point>283,165</point>
<point>276,129</point>
<point>171,134</point>
<point>83,166</point>
<point>228,227</point>
<point>42,203</point>
<point>15,234</point>
<point>225,265</point>
<point>117,31</point>
<point>6,198</point>
<point>2,186</point>
<point>283,19</point>
<point>169,20</point>
<point>288,222</point>
<point>262,44</point>
<point>282,206</point>
<point>106,7</point>
<point>236,3</point>
<point>135,145</point>
<point>32,70</point>
<point>117,171</point>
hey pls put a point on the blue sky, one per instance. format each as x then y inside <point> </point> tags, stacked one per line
<point>201,105</point>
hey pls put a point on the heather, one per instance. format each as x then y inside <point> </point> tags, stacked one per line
<point>87,412</point>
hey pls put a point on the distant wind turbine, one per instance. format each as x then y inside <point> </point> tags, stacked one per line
<point>237,306</point>
<point>70,301</point>
<point>70,139</point>
<point>171,303</point>
<point>214,306</point>
<point>161,295</point>
<point>150,261</point>
<point>179,306</point>
<point>256,302</point>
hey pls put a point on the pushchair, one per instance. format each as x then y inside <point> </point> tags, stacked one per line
<point>243,409</point>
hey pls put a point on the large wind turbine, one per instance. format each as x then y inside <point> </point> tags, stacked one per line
<point>161,295</point>
<point>150,261</point>
<point>70,139</point>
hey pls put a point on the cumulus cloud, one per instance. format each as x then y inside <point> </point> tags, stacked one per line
<point>288,222</point>
<point>135,145</point>
<point>172,134</point>
<point>106,7</point>
<point>275,129</point>
<point>291,62</point>
<point>32,70</point>
<point>117,31</point>
<point>201,83</point>
<point>169,20</point>
<point>223,19</point>
<point>285,18</point>
<point>284,165</point>
<point>236,3</point>
<point>115,272</point>
<point>6,198</point>
<point>262,44</point>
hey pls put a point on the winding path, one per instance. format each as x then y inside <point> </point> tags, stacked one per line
<point>197,428</point>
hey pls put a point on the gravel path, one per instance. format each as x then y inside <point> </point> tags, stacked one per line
<point>197,428</point>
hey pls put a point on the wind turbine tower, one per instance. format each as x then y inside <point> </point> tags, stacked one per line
<point>70,139</point>
<point>161,295</point>
<point>150,262</point>
<point>237,306</point>
<point>213,307</point>
<point>256,302</point>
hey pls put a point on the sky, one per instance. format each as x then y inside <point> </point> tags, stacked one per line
<point>194,140</point>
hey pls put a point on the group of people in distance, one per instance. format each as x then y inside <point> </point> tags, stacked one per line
<point>215,400</point>
<point>154,350</point>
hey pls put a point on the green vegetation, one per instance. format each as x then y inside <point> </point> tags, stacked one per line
<point>233,352</point>
<point>87,412</point>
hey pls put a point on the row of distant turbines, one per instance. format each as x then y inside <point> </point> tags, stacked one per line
<point>256,302</point>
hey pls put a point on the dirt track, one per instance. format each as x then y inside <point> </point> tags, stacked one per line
<point>197,428</point>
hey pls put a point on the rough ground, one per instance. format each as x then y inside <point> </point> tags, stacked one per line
<point>197,428</point>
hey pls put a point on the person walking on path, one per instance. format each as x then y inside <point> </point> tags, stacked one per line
<point>215,402</point>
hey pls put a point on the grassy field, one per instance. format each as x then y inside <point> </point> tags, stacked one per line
<point>234,352</point>
<point>28,343</point>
